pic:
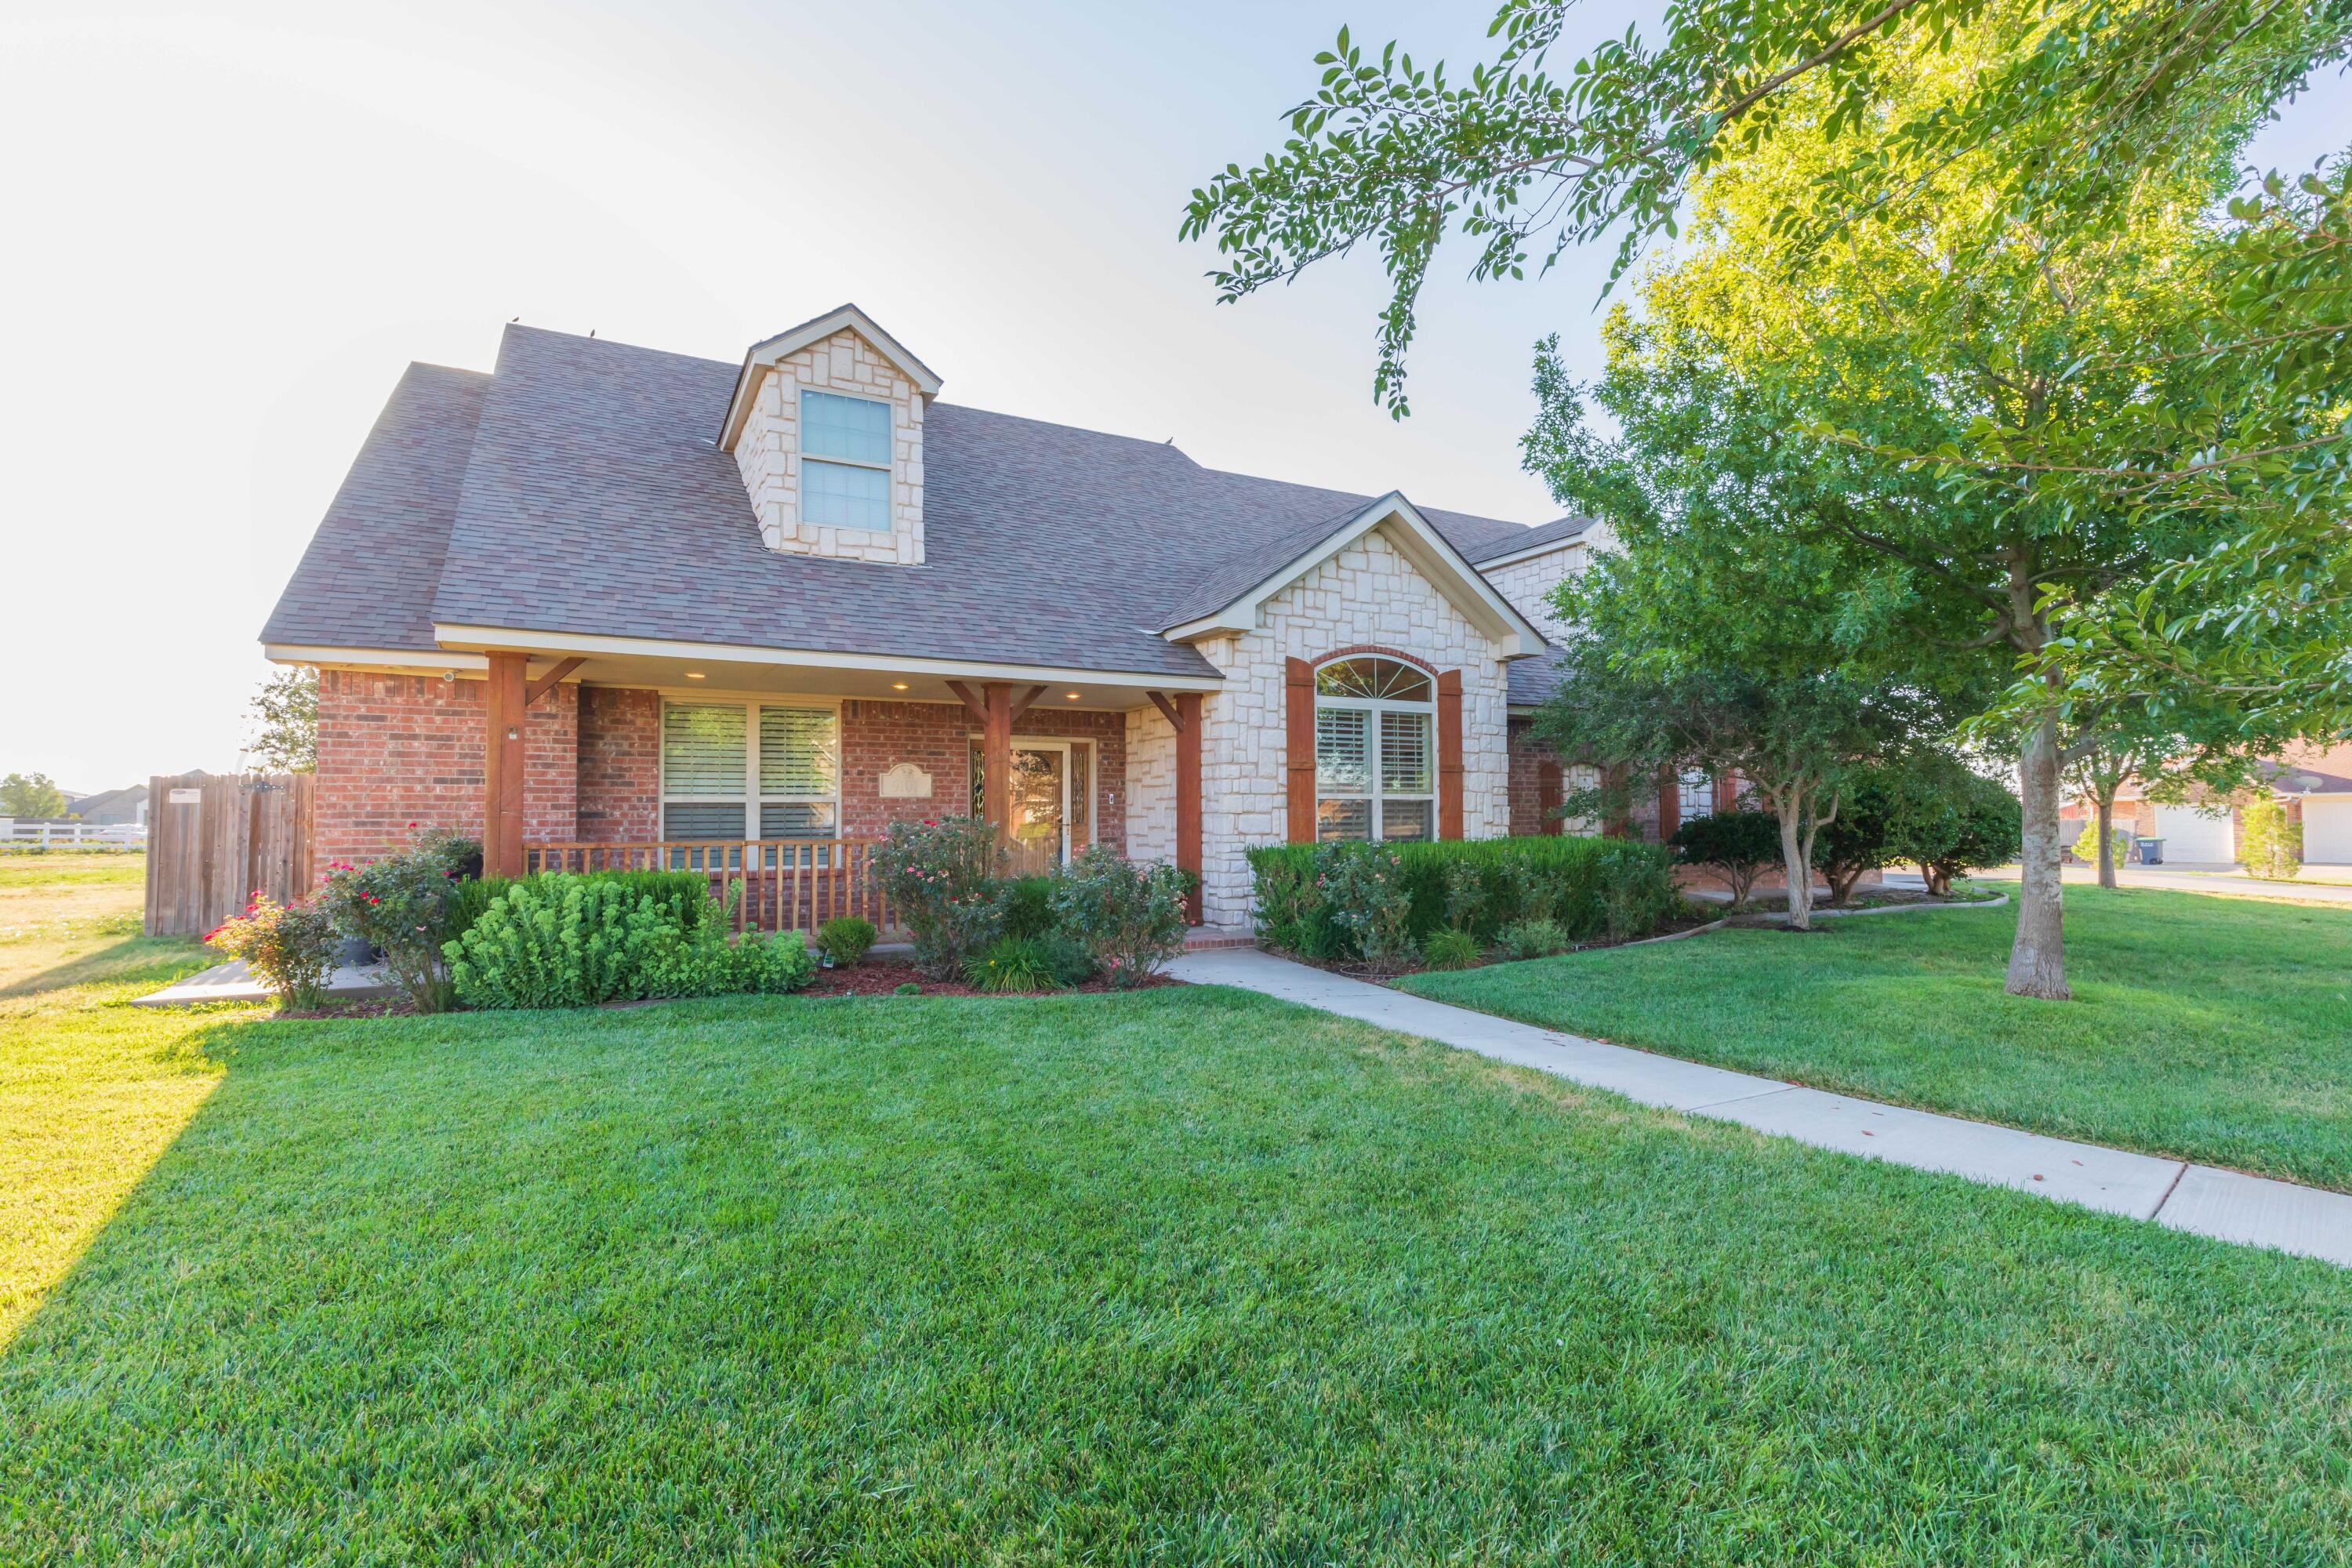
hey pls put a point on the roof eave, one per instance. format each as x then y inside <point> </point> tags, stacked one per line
<point>1432,555</point>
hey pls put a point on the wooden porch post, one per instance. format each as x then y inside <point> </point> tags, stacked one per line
<point>1188,795</point>
<point>503,703</point>
<point>996,760</point>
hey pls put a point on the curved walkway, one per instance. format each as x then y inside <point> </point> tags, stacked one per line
<point>2226,1204</point>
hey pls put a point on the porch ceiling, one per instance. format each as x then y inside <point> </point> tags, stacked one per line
<point>817,677</point>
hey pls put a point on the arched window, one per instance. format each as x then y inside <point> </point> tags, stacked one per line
<point>1375,751</point>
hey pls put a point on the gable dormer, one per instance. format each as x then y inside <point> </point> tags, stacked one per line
<point>826,428</point>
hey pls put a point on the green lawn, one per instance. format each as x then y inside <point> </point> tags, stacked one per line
<point>2217,1029</point>
<point>1184,1277</point>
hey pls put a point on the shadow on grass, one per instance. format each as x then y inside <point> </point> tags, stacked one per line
<point>126,960</point>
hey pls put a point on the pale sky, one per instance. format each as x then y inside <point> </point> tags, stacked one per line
<point>229,225</point>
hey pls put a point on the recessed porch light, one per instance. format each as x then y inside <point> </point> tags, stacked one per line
<point>1071,695</point>
<point>694,675</point>
<point>897,686</point>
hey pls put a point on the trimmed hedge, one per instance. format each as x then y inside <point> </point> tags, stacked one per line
<point>1592,887</point>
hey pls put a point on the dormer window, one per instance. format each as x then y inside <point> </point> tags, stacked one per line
<point>845,460</point>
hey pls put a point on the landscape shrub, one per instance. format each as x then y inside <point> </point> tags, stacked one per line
<point>292,947</point>
<point>1966,823</point>
<point>685,894</point>
<point>2086,844</point>
<point>1128,918</point>
<point>1465,894</point>
<point>940,875</point>
<point>402,907</point>
<point>1025,905</point>
<point>1010,963</point>
<point>1451,950</point>
<point>1862,836</point>
<point>846,938</point>
<point>1537,938</point>
<point>1067,958</point>
<point>575,941</point>
<point>1363,886</point>
<point>1738,846</point>
<point>2269,844</point>
<point>1592,887</point>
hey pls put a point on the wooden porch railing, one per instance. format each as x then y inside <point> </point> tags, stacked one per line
<point>788,884</point>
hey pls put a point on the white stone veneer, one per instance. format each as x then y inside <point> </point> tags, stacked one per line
<point>1369,594</point>
<point>1528,584</point>
<point>767,452</point>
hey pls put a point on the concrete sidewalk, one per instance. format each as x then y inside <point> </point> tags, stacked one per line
<point>2220,881</point>
<point>2199,1198</point>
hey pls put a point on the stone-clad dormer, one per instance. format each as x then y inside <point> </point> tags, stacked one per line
<point>826,428</point>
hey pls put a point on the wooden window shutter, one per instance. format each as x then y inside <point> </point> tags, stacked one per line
<point>1298,747</point>
<point>1449,755</point>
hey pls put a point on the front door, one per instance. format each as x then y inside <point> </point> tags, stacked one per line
<point>1038,822</point>
<point>1039,798</point>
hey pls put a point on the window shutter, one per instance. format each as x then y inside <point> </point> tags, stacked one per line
<point>1298,746</point>
<point>1449,755</point>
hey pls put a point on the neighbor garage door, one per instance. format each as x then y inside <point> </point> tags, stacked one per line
<point>2191,836</point>
<point>2327,832</point>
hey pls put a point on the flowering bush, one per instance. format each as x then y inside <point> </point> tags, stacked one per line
<point>1128,918</point>
<point>941,878</point>
<point>292,946</point>
<point>401,906</point>
<point>1363,885</point>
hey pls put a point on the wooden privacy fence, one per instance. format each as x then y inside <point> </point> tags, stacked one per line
<point>212,838</point>
<point>788,884</point>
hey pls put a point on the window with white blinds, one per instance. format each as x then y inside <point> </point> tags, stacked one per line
<point>845,460</point>
<point>1375,752</point>
<point>741,770</point>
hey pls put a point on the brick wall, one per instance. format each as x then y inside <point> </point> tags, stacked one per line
<point>620,765</point>
<point>938,738</point>
<point>397,750</point>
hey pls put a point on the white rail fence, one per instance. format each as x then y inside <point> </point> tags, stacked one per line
<point>32,833</point>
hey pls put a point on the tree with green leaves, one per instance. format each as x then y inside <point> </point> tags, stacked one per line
<point>1969,245</point>
<point>1659,670</point>
<point>283,723</point>
<point>31,795</point>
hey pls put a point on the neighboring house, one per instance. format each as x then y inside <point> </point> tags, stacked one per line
<point>114,808</point>
<point>607,594</point>
<point>2313,782</point>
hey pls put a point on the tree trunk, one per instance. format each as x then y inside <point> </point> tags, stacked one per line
<point>1793,868</point>
<point>2107,836</point>
<point>1939,880</point>
<point>2037,961</point>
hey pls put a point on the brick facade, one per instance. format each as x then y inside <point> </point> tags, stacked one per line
<point>397,750</point>
<point>620,765</point>
<point>938,737</point>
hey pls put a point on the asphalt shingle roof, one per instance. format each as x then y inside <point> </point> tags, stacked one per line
<point>579,489</point>
<point>368,577</point>
<point>1529,538</point>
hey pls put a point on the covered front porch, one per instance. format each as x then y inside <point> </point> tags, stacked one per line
<point>783,778</point>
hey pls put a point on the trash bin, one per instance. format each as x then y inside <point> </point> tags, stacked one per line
<point>2152,851</point>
